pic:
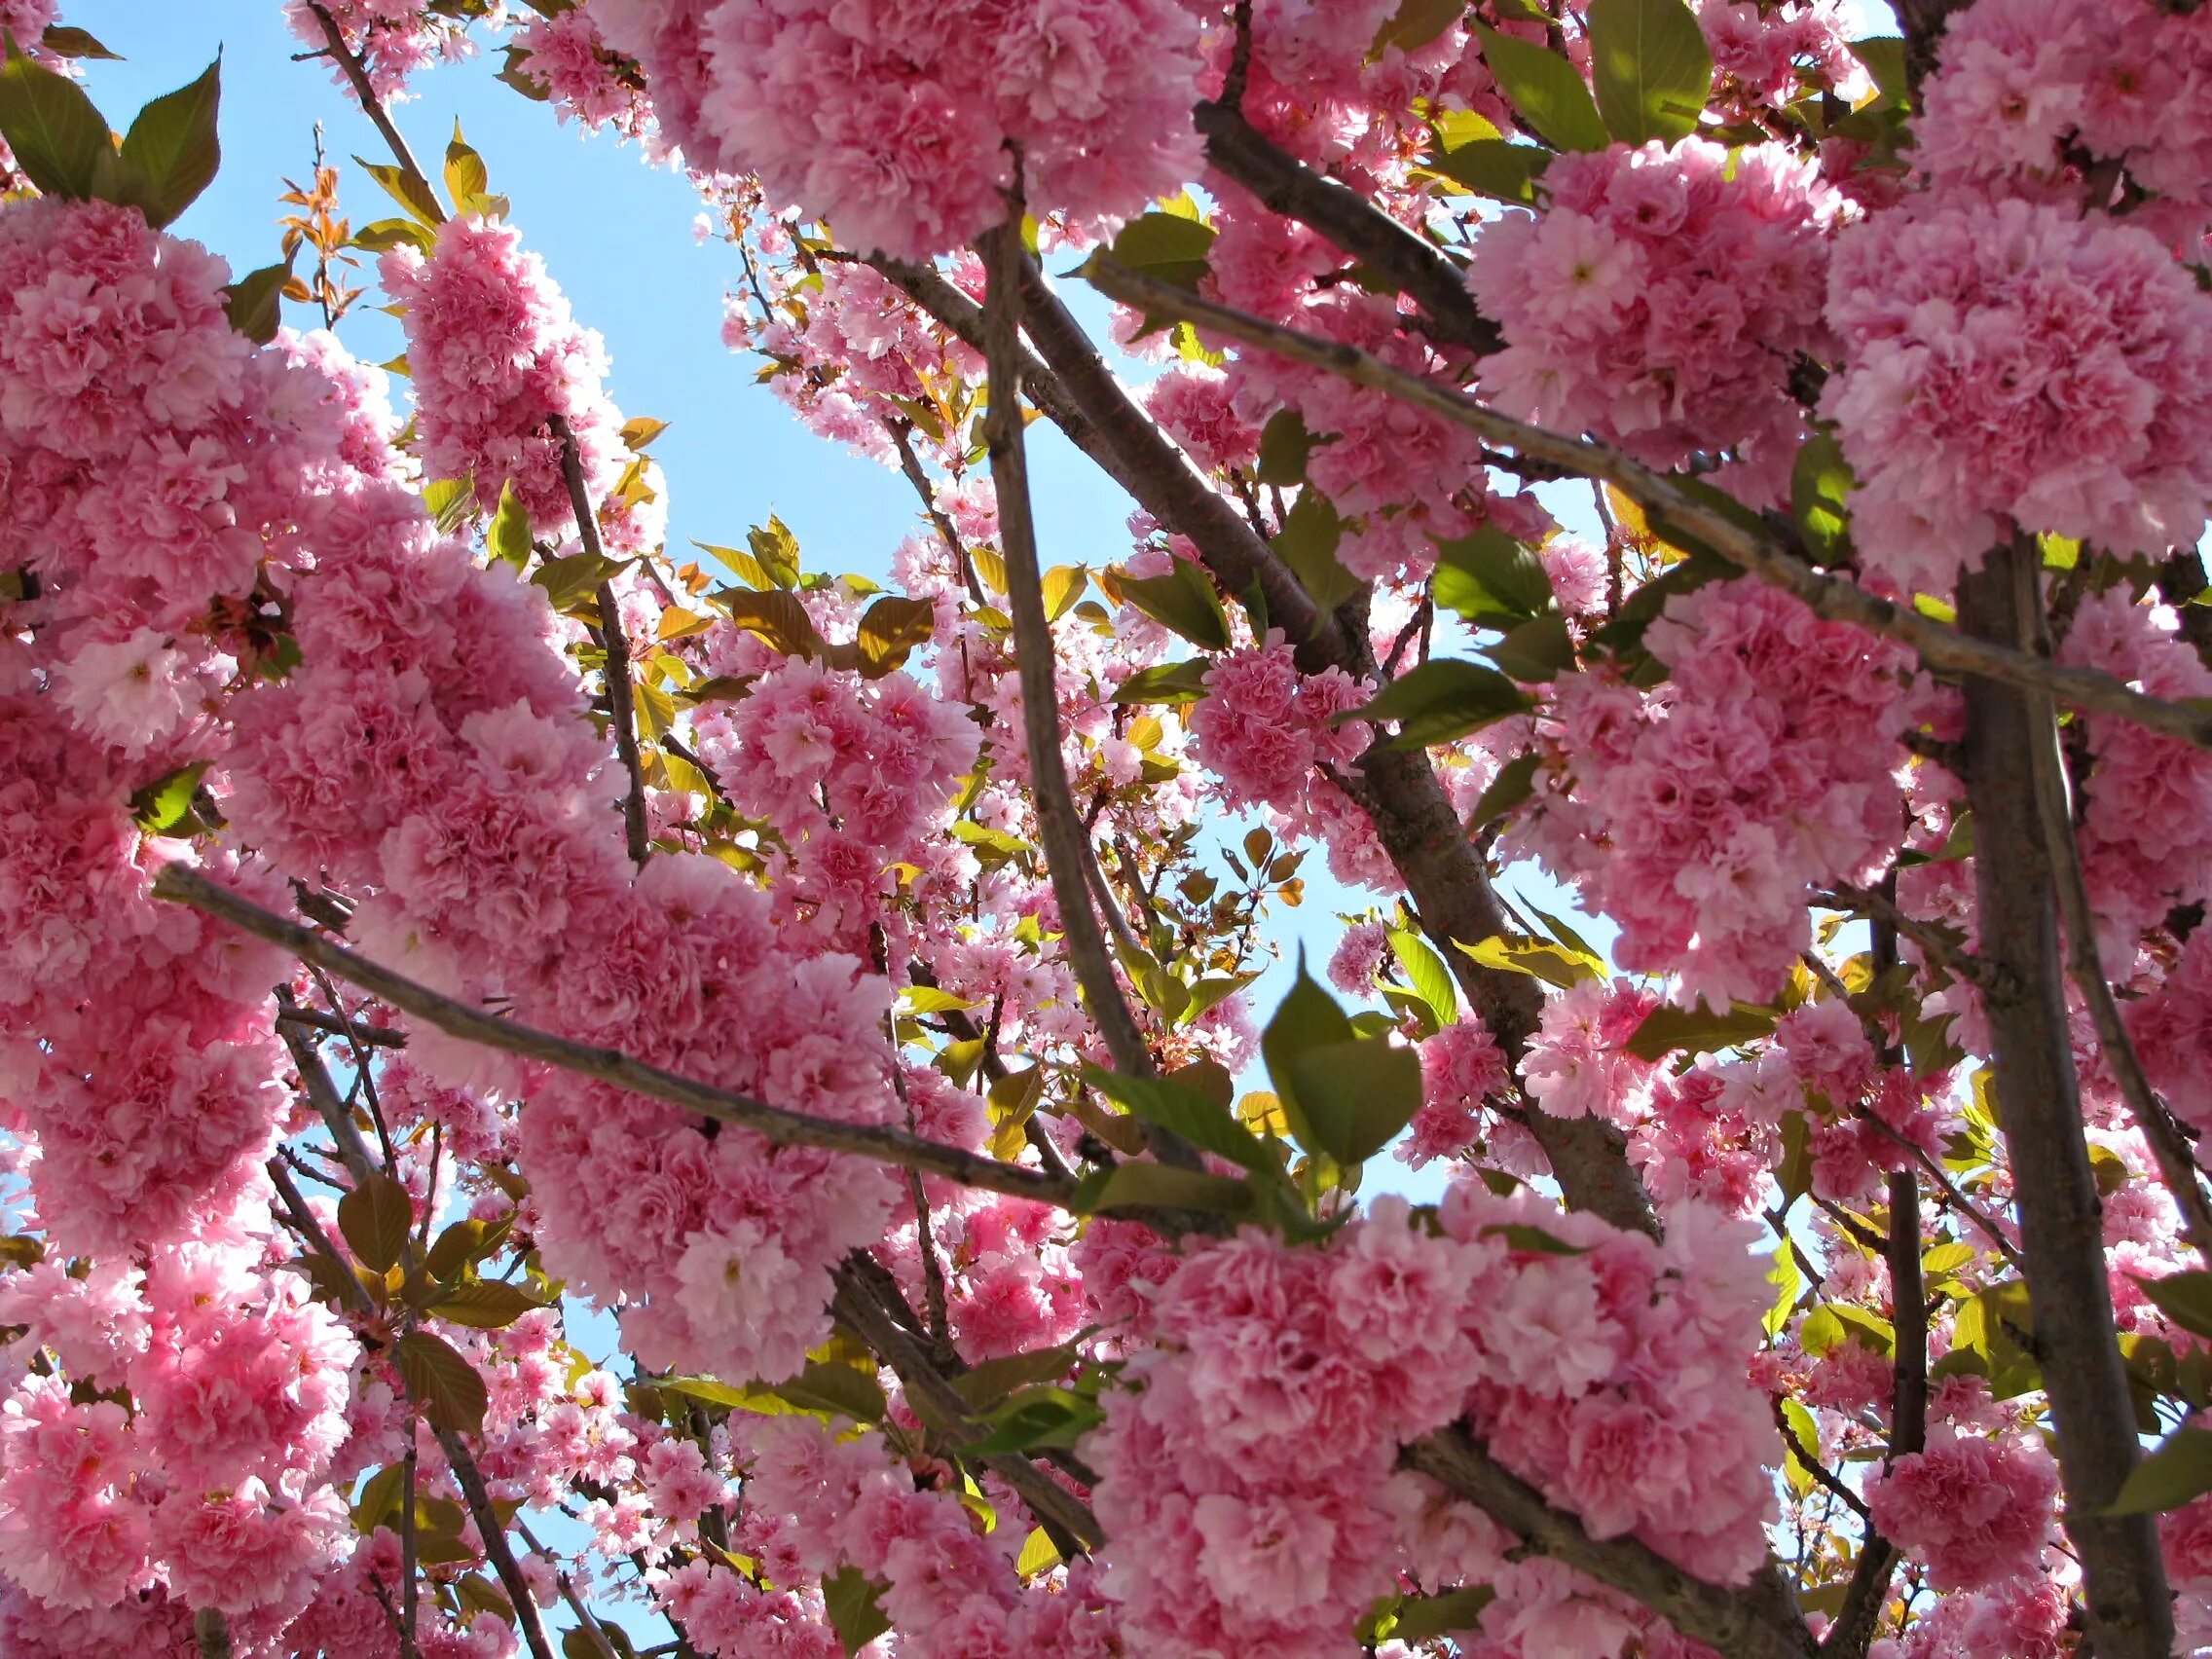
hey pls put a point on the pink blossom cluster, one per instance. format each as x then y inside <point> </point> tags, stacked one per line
<point>586,81</point>
<point>1771,59</point>
<point>212,1489</point>
<point>1246,1480</point>
<point>392,38</point>
<point>1461,1067</point>
<point>495,358</point>
<point>1264,731</point>
<point>2026,91</point>
<point>154,461</point>
<point>1976,1510</point>
<point>1659,299</point>
<point>819,1504</point>
<point>1404,477</point>
<point>914,152</point>
<point>2015,365</point>
<point>862,348</point>
<point>1698,814</point>
<point>2146,835</point>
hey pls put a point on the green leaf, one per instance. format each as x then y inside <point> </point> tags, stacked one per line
<point>1491,579</point>
<point>253,301</point>
<point>1178,1107</point>
<point>1698,1030</point>
<point>1285,445</point>
<point>486,1307</point>
<point>385,235</point>
<point>777,618</point>
<point>448,501</point>
<point>1165,246</point>
<point>1651,67</point>
<point>1423,1618</point>
<point>929,999</point>
<point>65,42</point>
<point>1820,1332</point>
<point>1515,782</point>
<point>709,1390</point>
<point>2176,1473</point>
<point>985,1386</point>
<point>1415,24</point>
<point>466,1241</point>
<point>1789,1281</point>
<point>2184,1298</point>
<point>891,630</point>
<point>61,142</point>
<point>163,808</point>
<point>466,173</point>
<point>172,150</point>
<point>1441,700</point>
<point>1167,682</point>
<point>1307,543</point>
<point>854,1603</point>
<point>1182,600</point>
<point>1137,1185</point>
<point>375,1218</point>
<point>1820,495</point>
<point>777,550</point>
<point>1946,1259</point>
<point>1535,653</point>
<point>1427,973</point>
<point>1357,1095</point>
<point>838,1390</point>
<point>1544,88</point>
<point>1884,58</point>
<point>410,192</point>
<point>508,538</point>
<point>1534,1240</point>
<point>1036,1420</point>
<point>1064,585</point>
<point>1556,965</point>
<point>443,1386</point>
<point>1496,167</point>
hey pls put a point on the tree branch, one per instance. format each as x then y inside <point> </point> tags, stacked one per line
<point>2131,1610</point>
<point>621,695</point>
<point>1059,825</point>
<point>1355,225</point>
<point>2046,765</point>
<point>478,1498</point>
<point>1757,1622</point>
<point>357,77</point>
<point>1836,598</point>
<point>773,1123</point>
<point>935,1400</point>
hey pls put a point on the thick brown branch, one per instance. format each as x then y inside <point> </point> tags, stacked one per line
<point>211,1634</point>
<point>1757,1622</point>
<point>1067,850</point>
<point>1836,598</point>
<point>772,1124</point>
<point>2130,1615</point>
<point>1354,224</point>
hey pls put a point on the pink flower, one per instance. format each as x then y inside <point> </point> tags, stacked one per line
<point>1974,1510</point>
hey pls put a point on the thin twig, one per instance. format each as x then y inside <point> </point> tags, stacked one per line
<point>1069,1520</point>
<point>2047,766</point>
<point>621,695</point>
<point>366,1036</point>
<point>773,1123</point>
<point>586,1621</point>
<point>1937,947</point>
<point>357,76</point>
<point>1754,552</point>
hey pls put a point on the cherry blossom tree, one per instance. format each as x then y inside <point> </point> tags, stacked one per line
<point>1755,474</point>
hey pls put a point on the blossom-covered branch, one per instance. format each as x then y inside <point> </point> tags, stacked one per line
<point>184,885</point>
